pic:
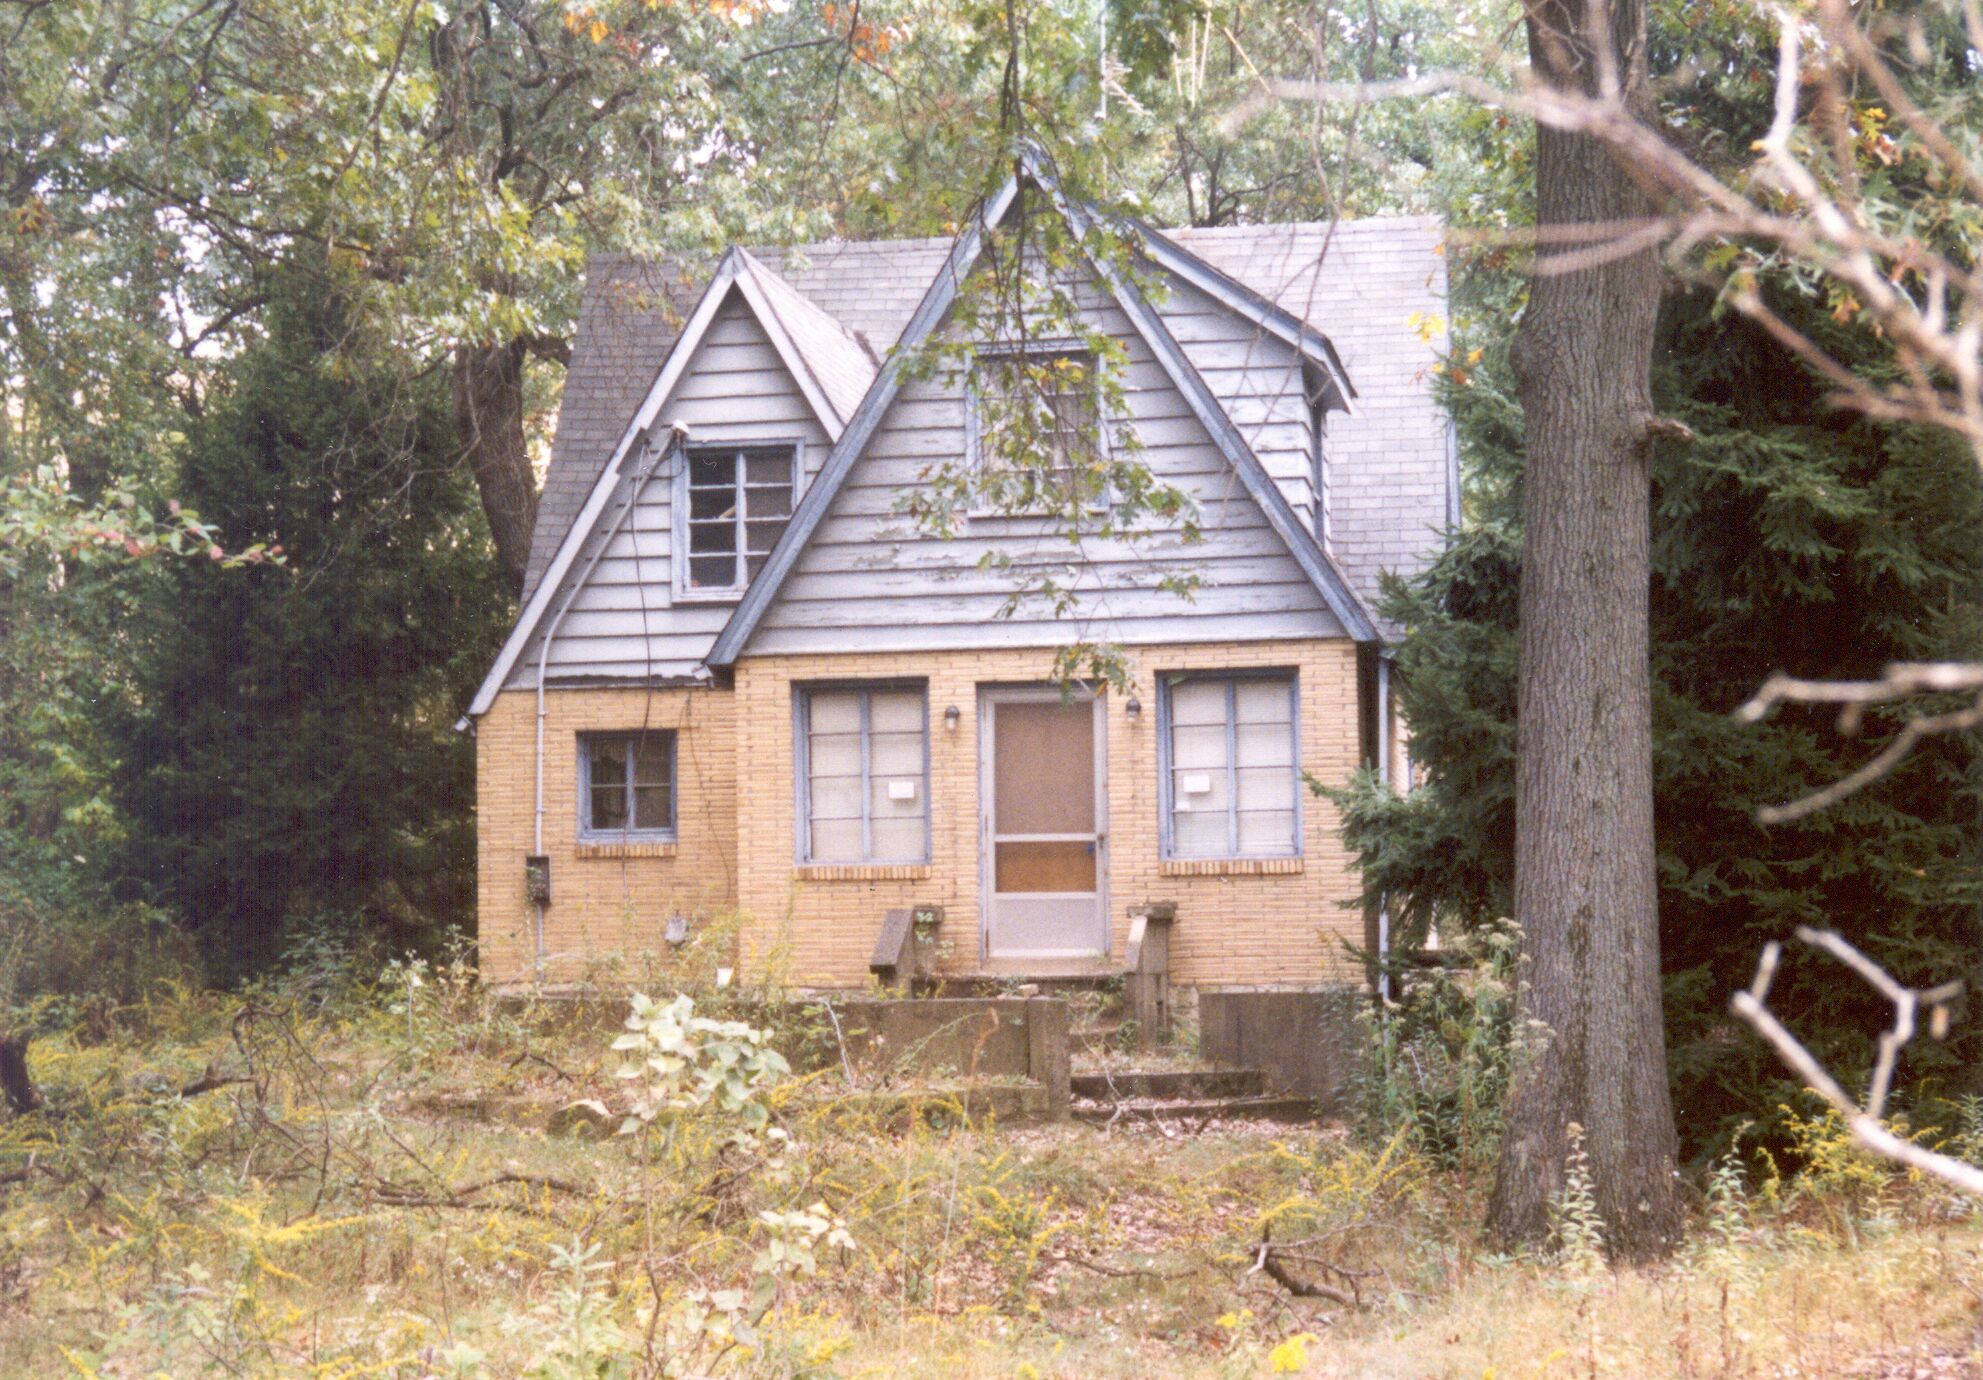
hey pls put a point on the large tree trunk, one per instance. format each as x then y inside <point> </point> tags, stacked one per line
<point>15,1082</point>
<point>1584,881</point>
<point>488,411</point>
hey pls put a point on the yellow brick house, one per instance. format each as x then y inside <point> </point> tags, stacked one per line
<point>745,683</point>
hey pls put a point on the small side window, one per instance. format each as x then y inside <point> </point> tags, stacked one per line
<point>1319,475</point>
<point>627,785</point>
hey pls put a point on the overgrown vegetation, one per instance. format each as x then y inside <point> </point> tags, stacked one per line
<point>282,746</point>
<point>364,1167</point>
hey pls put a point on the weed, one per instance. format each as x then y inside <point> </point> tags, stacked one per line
<point>1575,1224</point>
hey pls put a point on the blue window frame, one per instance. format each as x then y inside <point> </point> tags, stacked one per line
<point>1230,782</point>
<point>863,773</point>
<point>626,786</point>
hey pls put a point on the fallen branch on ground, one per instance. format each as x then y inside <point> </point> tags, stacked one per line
<point>394,1196</point>
<point>1272,1261</point>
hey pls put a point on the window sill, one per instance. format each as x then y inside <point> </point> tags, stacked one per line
<point>1231,867</point>
<point>864,872</point>
<point>708,596</point>
<point>629,848</point>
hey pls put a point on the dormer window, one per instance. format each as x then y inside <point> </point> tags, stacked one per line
<point>1026,398</point>
<point>735,501</point>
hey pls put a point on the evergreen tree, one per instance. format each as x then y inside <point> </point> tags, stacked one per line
<point>1787,535</point>
<point>287,752</point>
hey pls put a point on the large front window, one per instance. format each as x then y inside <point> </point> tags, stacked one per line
<point>864,774</point>
<point>738,500</point>
<point>1231,788</point>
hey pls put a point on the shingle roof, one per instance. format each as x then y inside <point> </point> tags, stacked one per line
<point>1360,282</point>
<point>844,367</point>
<point>1392,480</point>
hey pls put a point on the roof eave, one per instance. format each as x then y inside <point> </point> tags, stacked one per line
<point>1222,287</point>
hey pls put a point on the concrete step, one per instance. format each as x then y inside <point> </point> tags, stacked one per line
<point>1070,985</point>
<point>1168,1085</point>
<point>1265,1108</point>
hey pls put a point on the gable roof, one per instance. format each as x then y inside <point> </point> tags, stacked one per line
<point>937,300</point>
<point>631,312</point>
<point>1380,284</point>
<point>831,368</point>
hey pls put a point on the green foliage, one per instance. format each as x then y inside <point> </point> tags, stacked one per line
<point>286,748</point>
<point>1576,1226</point>
<point>1787,536</point>
<point>1442,1057</point>
<point>682,1062</point>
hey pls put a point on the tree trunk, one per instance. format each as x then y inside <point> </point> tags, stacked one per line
<point>488,412</point>
<point>14,1080</point>
<point>1584,879</point>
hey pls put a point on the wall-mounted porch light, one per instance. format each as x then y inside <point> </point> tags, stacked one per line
<point>951,716</point>
<point>677,930</point>
<point>1134,709</point>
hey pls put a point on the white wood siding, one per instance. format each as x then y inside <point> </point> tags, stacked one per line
<point>1258,378</point>
<point>871,580</point>
<point>625,623</point>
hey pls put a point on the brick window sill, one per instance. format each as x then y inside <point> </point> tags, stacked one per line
<point>651,849</point>
<point>1231,867</point>
<point>864,872</point>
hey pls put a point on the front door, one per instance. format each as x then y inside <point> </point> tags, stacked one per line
<point>1045,824</point>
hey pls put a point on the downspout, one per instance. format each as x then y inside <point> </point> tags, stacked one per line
<point>1384,779</point>
<point>678,433</point>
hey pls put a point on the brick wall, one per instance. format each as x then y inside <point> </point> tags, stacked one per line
<point>604,901</point>
<point>1232,927</point>
<point>818,926</point>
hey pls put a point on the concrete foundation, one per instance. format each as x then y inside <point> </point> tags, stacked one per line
<point>964,1037</point>
<point>1307,1040</point>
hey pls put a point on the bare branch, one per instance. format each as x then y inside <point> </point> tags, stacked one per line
<point>1899,681</point>
<point>1863,1121</point>
<point>1926,305</point>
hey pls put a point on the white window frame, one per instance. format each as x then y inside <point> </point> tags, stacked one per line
<point>802,696</point>
<point>1167,776</point>
<point>588,832</point>
<point>974,456</point>
<point>685,592</point>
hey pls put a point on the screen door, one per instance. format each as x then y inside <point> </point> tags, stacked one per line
<point>1045,825</point>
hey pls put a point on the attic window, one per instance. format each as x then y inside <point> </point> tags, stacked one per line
<point>735,502</point>
<point>1030,397</point>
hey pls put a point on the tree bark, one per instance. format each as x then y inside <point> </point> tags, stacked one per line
<point>1584,865</point>
<point>19,1088</point>
<point>488,410</point>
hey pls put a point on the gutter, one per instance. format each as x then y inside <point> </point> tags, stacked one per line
<point>1384,779</point>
